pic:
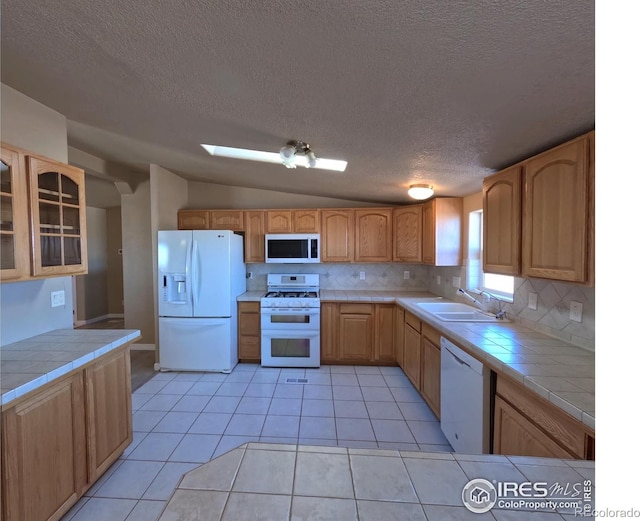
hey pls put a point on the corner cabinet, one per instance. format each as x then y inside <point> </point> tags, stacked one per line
<point>14,217</point>
<point>442,231</point>
<point>58,218</point>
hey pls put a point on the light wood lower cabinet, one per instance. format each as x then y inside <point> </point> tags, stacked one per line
<point>528,425</point>
<point>412,347</point>
<point>249,331</point>
<point>357,333</point>
<point>430,376</point>
<point>57,441</point>
<point>109,428</point>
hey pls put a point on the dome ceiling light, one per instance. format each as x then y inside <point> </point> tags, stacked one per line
<point>420,191</point>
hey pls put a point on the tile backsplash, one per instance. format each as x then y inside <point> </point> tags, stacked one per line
<point>550,317</point>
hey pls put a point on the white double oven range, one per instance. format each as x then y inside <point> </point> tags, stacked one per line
<point>290,321</point>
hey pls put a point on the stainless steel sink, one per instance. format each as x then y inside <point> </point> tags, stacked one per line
<point>456,312</point>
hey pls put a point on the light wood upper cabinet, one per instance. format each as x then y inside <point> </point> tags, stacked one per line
<point>557,208</point>
<point>502,210</point>
<point>442,231</point>
<point>14,217</point>
<point>58,218</point>
<point>337,235</point>
<point>279,221</point>
<point>306,221</point>
<point>407,233</point>
<point>226,220</point>
<point>194,219</point>
<point>373,235</point>
<point>254,236</point>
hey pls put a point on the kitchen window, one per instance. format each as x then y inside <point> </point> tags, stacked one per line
<point>500,285</point>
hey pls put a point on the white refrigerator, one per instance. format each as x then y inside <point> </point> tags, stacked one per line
<point>200,274</point>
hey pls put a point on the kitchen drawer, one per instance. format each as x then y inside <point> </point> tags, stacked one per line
<point>413,321</point>
<point>431,333</point>
<point>249,307</point>
<point>559,425</point>
<point>360,309</point>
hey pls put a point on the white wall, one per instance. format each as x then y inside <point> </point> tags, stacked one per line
<point>92,298</point>
<point>210,195</point>
<point>137,262</point>
<point>25,307</point>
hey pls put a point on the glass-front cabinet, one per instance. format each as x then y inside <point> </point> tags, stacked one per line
<point>58,218</point>
<point>14,219</point>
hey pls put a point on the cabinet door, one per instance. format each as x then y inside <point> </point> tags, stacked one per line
<point>249,331</point>
<point>329,317</point>
<point>254,236</point>
<point>501,215</point>
<point>193,219</point>
<point>384,349</point>
<point>337,236</point>
<point>374,235</point>
<point>306,221</point>
<point>412,363</point>
<point>407,234</point>
<point>279,221</point>
<point>442,231</point>
<point>227,220</point>
<point>556,213</point>
<point>398,335</point>
<point>44,467</point>
<point>109,428</point>
<point>355,334</point>
<point>14,218</point>
<point>430,383</point>
<point>515,435</point>
<point>58,218</point>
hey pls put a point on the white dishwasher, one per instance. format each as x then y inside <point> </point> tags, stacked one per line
<point>464,405</point>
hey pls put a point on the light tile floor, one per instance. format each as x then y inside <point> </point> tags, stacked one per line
<point>182,420</point>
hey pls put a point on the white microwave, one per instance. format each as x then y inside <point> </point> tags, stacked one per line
<point>292,248</point>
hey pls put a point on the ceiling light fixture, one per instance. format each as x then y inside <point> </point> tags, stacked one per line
<point>421,192</point>
<point>292,155</point>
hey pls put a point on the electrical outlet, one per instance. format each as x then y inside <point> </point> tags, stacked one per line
<point>533,301</point>
<point>438,280</point>
<point>575,311</point>
<point>249,274</point>
<point>406,275</point>
<point>57,298</point>
<point>455,281</point>
<point>362,275</point>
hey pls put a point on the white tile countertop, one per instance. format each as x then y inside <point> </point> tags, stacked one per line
<point>556,370</point>
<point>553,368</point>
<point>35,361</point>
<point>294,482</point>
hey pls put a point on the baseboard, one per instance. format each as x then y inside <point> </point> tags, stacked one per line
<point>80,323</point>
<point>143,347</point>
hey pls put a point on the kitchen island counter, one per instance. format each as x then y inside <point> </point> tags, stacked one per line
<point>31,363</point>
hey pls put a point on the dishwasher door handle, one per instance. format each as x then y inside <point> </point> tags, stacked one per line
<point>460,361</point>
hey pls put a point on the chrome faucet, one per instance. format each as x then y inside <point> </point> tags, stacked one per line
<point>500,315</point>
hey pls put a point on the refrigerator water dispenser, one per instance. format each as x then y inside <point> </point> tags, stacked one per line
<point>175,287</point>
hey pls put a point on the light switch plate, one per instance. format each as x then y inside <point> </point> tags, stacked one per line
<point>455,282</point>
<point>406,275</point>
<point>575,311</point>
<point>57,298</point>
<point>362,275</point>
<point>533,301</point>
<point>438,280</point>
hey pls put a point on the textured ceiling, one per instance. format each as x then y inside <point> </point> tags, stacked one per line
<point>406,91</point>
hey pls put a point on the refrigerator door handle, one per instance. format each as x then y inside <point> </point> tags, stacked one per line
<point>195,263</point>
<point>187,269</point>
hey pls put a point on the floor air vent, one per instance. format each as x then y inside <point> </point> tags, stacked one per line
<point>297,380</point>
